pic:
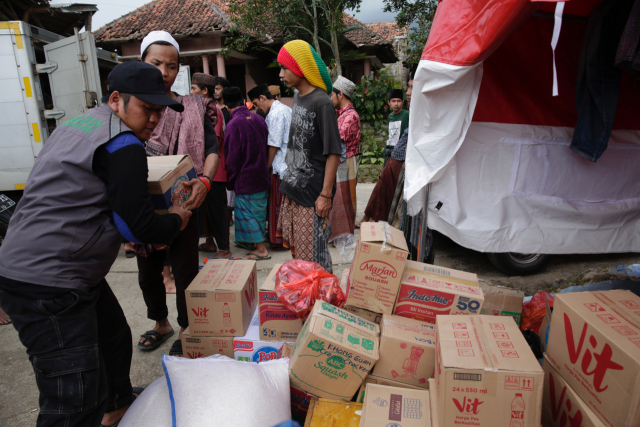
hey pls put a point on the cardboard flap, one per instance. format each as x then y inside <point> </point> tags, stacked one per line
<point>383,232</point>
<point>325,309</point>
<point>223,275</point>
<point>160,166</point>
<point>411,330</point>
<point>334,330</point>
<point>442,274</point>
<point>269,285</point>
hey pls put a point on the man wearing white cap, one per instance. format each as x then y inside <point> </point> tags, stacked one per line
<point>345,204</point>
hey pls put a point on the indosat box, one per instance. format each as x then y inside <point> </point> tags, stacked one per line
<point>393,406</point>
<point>427,291</point>
<point>250,348</point>
<point>196,347</point>
<point>165,179</point>
<point>561,406</point>
<point>374,278</point>
<point>277,322</point>
<point>222,298</point>
<point>334,353</point>
<point>502,301</point>
<point>372,379</point>
<point>407,350</point>
<point>594,343</point>
<point>486,374</point>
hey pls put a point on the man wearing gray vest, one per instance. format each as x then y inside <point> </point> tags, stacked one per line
<point>88,189</point>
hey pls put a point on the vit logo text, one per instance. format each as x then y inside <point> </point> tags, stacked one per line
<point>468,406</point>
<point>557,406</point>
<point>200,312</point>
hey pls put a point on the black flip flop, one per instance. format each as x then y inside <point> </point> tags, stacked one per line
<point>155,339</point>
<point>244,246</point>
<point>176,348</point>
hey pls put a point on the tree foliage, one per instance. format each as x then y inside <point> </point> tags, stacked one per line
<point>417,15</point>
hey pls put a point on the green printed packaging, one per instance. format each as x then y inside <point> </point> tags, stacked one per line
<point>334,353</point>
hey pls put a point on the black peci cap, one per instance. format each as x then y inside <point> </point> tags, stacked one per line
<point>396,93</point>
<point>261,89</point>
<point>232,95</point>
<point>144,81</point>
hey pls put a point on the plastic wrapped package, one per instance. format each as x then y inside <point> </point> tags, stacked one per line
<point>151,409</point>
<point>533,312</point>
<point>300,283</point>
<point>218,391</point>
<point>346,245</point>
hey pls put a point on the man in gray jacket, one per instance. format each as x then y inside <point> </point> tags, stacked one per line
<point>88,189</point>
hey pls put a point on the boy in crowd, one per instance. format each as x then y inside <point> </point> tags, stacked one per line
<point>313,155</point>
<point>221,84</point>
<point>398,121</point>
<point>278,121</point>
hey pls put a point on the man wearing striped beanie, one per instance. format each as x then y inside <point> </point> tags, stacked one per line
<point>313,155</point>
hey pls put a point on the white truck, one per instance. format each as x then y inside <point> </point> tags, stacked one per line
<point>45,80</point>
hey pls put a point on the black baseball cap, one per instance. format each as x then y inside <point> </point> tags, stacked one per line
<point>144,81</point>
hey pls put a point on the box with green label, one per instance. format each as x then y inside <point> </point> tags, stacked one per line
<point>334,353</point>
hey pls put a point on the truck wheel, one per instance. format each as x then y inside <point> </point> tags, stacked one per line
<point>516,264</point>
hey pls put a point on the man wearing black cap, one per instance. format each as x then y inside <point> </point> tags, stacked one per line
<point>398,121</point>
<point>88,189</point>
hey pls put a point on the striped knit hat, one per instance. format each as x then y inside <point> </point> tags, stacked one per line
<point>303,61</point>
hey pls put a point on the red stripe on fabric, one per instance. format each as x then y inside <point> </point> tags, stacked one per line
<point>288,61</point>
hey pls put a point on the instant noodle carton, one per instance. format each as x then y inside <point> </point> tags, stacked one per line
<point>594,344</point>
<point>407,350</point>
<point>222,298</point>
<point>379,259</point>
<point>165,179</point>
<point>395,407</point>
<point>382,381</point>
<point>277,322</point>
<point>427,291</point>
<point>486,374</point>
<point>334,353</point>
<point>561,406</point>
<point>195,347</point>
<point>251,348</point>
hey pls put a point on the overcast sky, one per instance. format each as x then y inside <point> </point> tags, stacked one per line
<point>108,10</point>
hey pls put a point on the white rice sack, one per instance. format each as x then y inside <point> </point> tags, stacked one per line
<point>151,409</point>
<point>218,391</point>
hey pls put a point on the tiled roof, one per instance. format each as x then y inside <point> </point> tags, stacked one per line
<point>389,29</point>
<point>365,36</point>
<point>178,17</point>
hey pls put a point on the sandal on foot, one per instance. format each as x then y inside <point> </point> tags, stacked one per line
<point>245,246</point>
<point>201,248</point>
<point>155,339</point>
<point>176,348</point>
<point>257,257</point>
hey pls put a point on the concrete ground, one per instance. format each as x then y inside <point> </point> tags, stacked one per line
<point>18,392</point>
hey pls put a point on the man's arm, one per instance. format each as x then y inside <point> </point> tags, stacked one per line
<point>272,154</point>
<point>323,203</point>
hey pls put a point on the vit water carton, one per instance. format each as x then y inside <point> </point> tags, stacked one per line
<point>407,350</point>
<point>427,291</point>
<point>594,344</point>
<point>277,322</point>
<point>166,176</point>
<point>195,347</point>
<point>561,406</point>
<point>486,374</point>
<point>395,407</point>
<point>382,381</point>
<point>222,298</point>
<point>379,259</point>
<point>251,348</point>
<point>334,353</point>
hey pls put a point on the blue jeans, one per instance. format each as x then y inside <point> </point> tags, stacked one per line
<point>598,86</point>
<point>79,344</point>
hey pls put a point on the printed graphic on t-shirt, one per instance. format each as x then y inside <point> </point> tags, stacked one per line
<point>299,170</point>
<point>394,133</point>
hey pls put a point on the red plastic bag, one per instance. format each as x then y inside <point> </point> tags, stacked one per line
<point>300,283</point>
<point>533,312</point>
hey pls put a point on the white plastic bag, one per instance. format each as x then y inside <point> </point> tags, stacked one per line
<point>218,391</point>
<point>346,245</point>
<point>151,409</point>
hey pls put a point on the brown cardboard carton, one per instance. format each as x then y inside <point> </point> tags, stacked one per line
<point>594,344</point>
<point>222,298</point>
<point>394,406</point>
<point>300,401</point>
<point>382,381</point>
<point>486,374</point>
<point>277,322</point>
<point>561,404</point>
<point>195,347</point>
<point>433,397</point>
<point>360,312</point>
<point>502,301</point>
<point>427,291</point>
<point>285,350</point>
<point>166,174</point>
<point>377,266</point>
<point>407,350</point>
<point>334,353</point>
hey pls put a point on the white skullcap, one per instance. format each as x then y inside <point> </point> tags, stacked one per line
<point>345,86</point>
<point>157,36</point>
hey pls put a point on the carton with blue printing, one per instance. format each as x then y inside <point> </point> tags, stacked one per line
<point>334,353</point>
<point>251,348</point>
<point>167,174</point>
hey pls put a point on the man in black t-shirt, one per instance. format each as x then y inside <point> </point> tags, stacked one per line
<point>313,155</point>
<point>221,84</point>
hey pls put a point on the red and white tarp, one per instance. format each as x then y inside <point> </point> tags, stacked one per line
<point>492,140</point>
